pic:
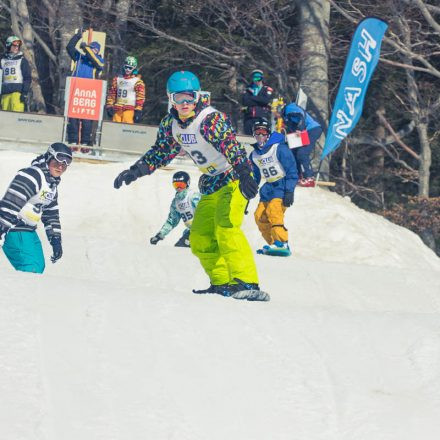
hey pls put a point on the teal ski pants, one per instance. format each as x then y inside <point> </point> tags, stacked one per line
<point>24,251</point>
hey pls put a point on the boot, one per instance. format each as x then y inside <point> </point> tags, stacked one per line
<point>211,289</point>
<point>307,182</point>
<point>278,249</point>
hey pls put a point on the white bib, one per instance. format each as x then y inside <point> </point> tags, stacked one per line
<point>185,209</point>
<point>126,95</point>
<point>269,165</point>
<point>12,71</point>
<point>33,210</point>
<point>205,156</point>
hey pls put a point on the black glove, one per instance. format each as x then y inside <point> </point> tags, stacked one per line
<point>138,169</point>
<point>55,242</point>
<point>110,111</point>
<point>127,176</point>
<point>23,98</point>
<point>248,186</point>
<point>288,199</point>
<point>137,116</point>
<point>156,239</point>
<point>83,45</point>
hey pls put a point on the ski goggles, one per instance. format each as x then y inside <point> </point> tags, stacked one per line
<point>184,97</point>
<point>261,132</point>
<point>180,185</point>
<point>62,158</point>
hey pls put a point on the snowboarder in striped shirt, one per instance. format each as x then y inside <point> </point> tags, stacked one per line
<point>33,196</point>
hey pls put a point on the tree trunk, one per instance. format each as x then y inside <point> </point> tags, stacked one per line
<point>425,159</point>
<point>21,26</point>
<point>70,18</point>
<point>419,116</point>
<point>119,52</point>
<point>315,16</point>
<point>377,164</point>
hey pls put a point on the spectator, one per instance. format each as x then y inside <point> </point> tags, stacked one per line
<point>16,80</point>
<point>126,96</point>
<point>182,207</point>
<point>256,100</point>
<point>273,162</point>
<point>87,65</point>
<point>33,196</point>
<point>297,120</point>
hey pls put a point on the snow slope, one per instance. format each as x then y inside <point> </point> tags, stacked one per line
<point>110,343</point>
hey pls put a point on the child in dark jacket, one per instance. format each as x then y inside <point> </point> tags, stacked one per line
<point>273,161</point>
<point>297,120</point>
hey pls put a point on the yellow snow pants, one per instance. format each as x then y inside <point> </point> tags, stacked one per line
<point>217,239</point>
<point>269,217</point>
<point>11,102</point>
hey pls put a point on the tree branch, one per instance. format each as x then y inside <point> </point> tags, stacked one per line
<point>396,137</point>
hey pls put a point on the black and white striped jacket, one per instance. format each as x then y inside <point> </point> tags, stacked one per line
<point>32,196</point>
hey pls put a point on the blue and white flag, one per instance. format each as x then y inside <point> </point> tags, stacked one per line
<point>359,67</point>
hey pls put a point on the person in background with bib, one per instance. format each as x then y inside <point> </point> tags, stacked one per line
<point>182,207</point>
<point>274,162</point>
<point>126,95</point>
<point>226,184</point>
<point>16,78</point>
<point>33,196</point>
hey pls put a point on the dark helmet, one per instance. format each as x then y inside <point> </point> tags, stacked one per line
<point>261,124</point>
<point>60,152</point>
<point>181,176</point>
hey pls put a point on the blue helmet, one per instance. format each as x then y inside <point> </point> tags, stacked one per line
<point>183,81</point>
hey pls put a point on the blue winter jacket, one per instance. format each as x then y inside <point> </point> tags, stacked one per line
<point>89,65</point>
<point>296,118</point>
<point>277,189</point>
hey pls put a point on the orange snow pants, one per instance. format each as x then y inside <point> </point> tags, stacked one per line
<point>269,217</point>
<point>125,116</point>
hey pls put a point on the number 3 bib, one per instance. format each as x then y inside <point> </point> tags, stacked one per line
<point>205,156</point>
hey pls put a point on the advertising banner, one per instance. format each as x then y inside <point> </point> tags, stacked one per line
<point>361,61</point>
<point>85,98</point>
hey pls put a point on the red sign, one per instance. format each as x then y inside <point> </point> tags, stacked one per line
<point>84,98</point>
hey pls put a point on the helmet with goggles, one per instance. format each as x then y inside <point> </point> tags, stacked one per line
<point>181,180</point>
<point>60,152</point>
<point>183,86</point>
<point>130,62</point>
<point>11,40</point>
<point>261,125</point>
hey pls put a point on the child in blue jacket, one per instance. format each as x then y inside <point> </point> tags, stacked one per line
<point>273,161</point>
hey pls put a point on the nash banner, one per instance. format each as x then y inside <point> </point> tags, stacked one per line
<point>85,98</point>
<point>359,67</point>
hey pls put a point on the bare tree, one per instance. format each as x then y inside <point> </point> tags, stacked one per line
<point>315,17</point>
<point>122,9</point>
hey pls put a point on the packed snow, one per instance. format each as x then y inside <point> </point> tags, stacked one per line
<point>110,343</point>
